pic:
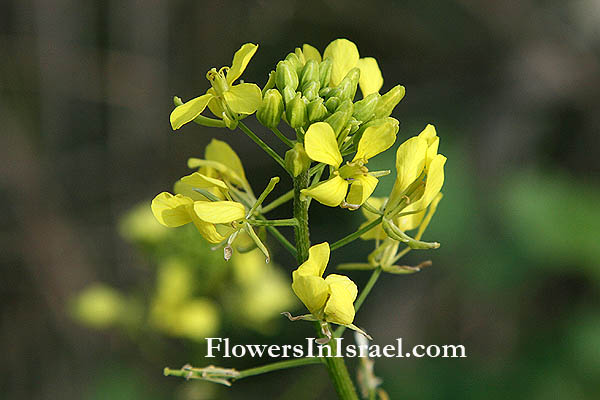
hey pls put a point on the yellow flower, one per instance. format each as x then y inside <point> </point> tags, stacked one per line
<point>330,299</point>
<point>177,210</point>
<point>321,146</point>
<point>420,176</point>
<point>345,56</point>
<point>220,165</point>
<point>225,100</point>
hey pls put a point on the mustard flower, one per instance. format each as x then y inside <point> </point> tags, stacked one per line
<point>330,299</point>
<point>351,182</point>
<point>225,100</point>
<point>177,210</point>
<point>345,56</point>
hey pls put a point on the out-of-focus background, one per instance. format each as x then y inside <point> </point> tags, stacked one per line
<point>96,299</point>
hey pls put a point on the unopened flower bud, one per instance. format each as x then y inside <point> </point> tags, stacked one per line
<point>296,111</point>
<point>288,95</point>
<point>269,112</point>
<point>325,92</point>
<point>346,105</point>
<point>325,68</point>
<point>295,62</point>
<point>310,73</point>
<point>316,110</point>
<point>347,87</point>
<point>296,160</point>
<point>338,121</point>
<point>389,101</point>
<point>286,76</point>
<point>332,104</point>
<point>300,55</point>
<point>311,90</point>
<point>364,110</point>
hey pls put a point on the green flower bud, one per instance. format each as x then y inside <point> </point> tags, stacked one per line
<point>338,121</point>
<point>364,110</point>
<point>316,110</point>
<point>354,125</point>
<point>389,101</point>
<point>332,104</point>
<point>296,111</point>
<point>269,112</point>
<point>325,92</point>
<point>311,90</point>
<point>296,160</point>
<point>310,73</point>
<point>300,55</point>
<point>286,76</point>
<point>347,87</point>
<point>346,105</point>
<point>325,68</point>
<point>295,62</point>
<point>288,94</point>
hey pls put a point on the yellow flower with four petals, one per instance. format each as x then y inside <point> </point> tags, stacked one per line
<point>352,184</point>
<point>225,100</point>
<point>329,299</point>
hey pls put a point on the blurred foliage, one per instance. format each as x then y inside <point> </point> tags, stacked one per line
<point>195,288</point>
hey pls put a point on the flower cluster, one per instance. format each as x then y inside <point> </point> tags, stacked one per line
<point>315,95</point>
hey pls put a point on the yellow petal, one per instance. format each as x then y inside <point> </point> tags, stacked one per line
<point>241,58</point>
<point>330,192</point>
<point>310,53</point>
<point>201,181</point>
<point>410,161</point>
<point>214,105</point>
<point>433,142</point>
<point>172,211</point>
<point>376,139</point>
<point>188,191</point>
<point>361,189</point>
<point>435,179</point>
<point>207,230</point>
<point>340,305</point>
<point>370,76</point>
<point>344,55</point>
<point>318,258</point>
<point>221,152</point>
<point>186,112</point>
<point>244,98</point>
<point>311,290</point>
<point>225,171</point>
<point>219,212</point>
<point>320,144</point>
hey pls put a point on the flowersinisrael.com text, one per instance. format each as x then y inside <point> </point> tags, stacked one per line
<point>221,347</point>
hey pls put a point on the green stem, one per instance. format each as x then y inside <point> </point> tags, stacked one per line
<point>361,299</point>
<point>335,366</point>
<point>301,215</point>
<point>353,236</point>
<point>284,242</point>
<point>278,365</point>
<point>340,376</point>
<point>281,136</point>
<point>274,222</point>
<point>284,198</point>
<point>262,144</point>
<point>233,375</point>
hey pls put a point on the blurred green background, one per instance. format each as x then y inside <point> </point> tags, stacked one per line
<point>96,300</point>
